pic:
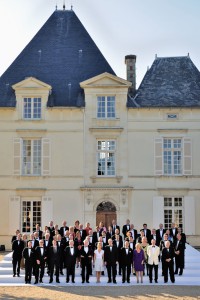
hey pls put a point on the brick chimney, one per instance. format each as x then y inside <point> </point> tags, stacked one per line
<point>130,61</point>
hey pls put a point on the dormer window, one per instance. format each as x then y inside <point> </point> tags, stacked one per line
<point>32,108</point>
<point>105,107</point>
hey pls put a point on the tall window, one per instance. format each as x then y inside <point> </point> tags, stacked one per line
<point>31,215</point>
<point>32,108</point>
<point>106,158</point>
<point>105,107</point>
<point>173,211</point>
<point>172,156</point>
<point>31,157</point>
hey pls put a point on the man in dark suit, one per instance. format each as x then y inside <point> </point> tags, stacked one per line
<point>126,228</point>
<point>17,248</point>
<point>126,257</point>
<point>173,232</point>
<point>154,237</point>
<point>61,246</point>
<point>29,256</point>
<point>147,233</point>
<point>114,226</point>
<point>37,229</point>
<point>111,259</point>
<point>118,243</point>
<point>82,232</point>
<point>14,237</point>
<point>134,232</point>
<point>159,234</point>
<point>41,258</point>
<point>51,229</point>
<point>54,259</point>
<point>47,245</point>
<point>86,254</point>
<point>168,262</point>
<point>70,254</point>
<point>63,228</point>
<point>179,248</point>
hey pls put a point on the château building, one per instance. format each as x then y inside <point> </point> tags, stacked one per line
<point>78,142</point>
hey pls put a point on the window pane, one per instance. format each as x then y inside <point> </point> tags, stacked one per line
<point>106,158</point>
<point>111,107</point>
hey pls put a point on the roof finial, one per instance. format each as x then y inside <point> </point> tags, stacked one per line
<point>56,6</point>
<point>71,7</point>
<point>63,4</point>
<point>188,54</point>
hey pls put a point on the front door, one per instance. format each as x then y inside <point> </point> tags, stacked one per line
<point>106,212</point>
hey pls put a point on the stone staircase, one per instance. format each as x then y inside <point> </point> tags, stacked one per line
<point>191,274</point>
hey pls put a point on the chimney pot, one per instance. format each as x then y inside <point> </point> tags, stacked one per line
<point>130,61</point>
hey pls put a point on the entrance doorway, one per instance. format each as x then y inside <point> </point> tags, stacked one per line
<point>106,212</point>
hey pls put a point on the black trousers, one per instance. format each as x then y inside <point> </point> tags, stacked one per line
<point>155,267</point>
<point>111,269</point>
<point>70,271</point>
<point>28,272</point>
<point>39,271</point>
<point>168,268</point>
<point>86,271</point>
<point>16,265</point>
<point>126,271</point>
<point>56,266</point>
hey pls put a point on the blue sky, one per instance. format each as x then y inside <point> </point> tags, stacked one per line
<point>118,27</point>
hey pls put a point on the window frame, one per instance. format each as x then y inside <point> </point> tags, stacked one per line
<point>106,107</point>
<point>32,109</point>
<point>32,157</point>
<point>106,151</point>
<point>173,208</point>
<point>34,214</point>
<point>172,150</point>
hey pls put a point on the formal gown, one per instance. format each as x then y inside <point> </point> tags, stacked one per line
<point>98,265</point>
<point>138,257</point>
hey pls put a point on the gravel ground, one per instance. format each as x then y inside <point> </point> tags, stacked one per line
<point>105,293</point>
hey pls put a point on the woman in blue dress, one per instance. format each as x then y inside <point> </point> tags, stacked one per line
<point>138,262</point>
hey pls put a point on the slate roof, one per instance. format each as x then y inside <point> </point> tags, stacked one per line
<point>170,82</point>
<point>62,54</point>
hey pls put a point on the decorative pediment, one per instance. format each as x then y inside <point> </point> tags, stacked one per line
<point>31,83</point>
<point>105,80</point>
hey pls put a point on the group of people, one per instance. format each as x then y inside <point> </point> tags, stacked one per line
<point>131,252</point>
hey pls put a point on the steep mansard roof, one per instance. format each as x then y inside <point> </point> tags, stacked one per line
<point>62,54</point>
<point>170,82</point>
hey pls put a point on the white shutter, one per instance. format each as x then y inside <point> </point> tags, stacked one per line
<point>158,211</point>
<point>47,210</point>
<point>17,156</point>
<point>14,214</point>
<point>158,156</point>
<point>187,156</point>
<point>45,157</point>
<point>189,215</point>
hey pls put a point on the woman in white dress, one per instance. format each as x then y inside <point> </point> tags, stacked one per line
<point>99,261</point>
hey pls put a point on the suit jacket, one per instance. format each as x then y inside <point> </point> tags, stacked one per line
<point>126,259</point>
<point>54,257</point>
<point>110,257</point>
<point>40,234</point>
<point>70,260</point>
<point>62,230</point>
<point>153,255</point>
<point>173,235</point>
<point>51,231</point>
<point>179,258</point>
<point>116,227</point>
<point>148,235</point>
<point>86,257</point>
<point>17,248</point>
<point>35,244</point>
<point>168,254</point>
<point>159,236</point>
<point>39,256</point>
<point>134,234</point>
<point>125,228</point>
<point>29,260</point>
<point>83,234</point>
